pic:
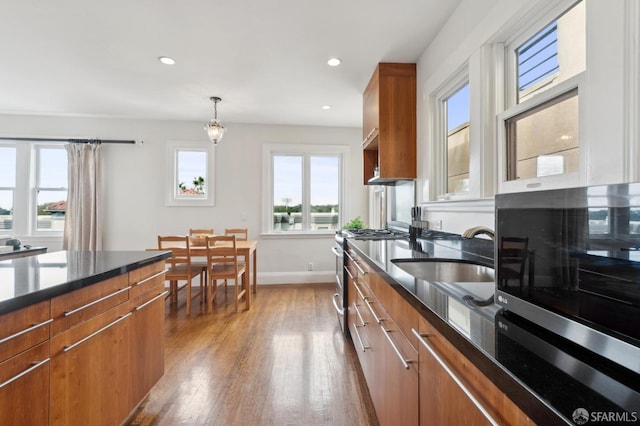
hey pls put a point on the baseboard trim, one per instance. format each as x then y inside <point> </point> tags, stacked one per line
<point>311,277</point>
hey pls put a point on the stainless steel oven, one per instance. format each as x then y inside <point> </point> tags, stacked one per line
<point>569,260</point>
<point>339,298</point>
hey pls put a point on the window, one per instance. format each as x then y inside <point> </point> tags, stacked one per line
<point>305,188</point>
<point>51,188</point>
<point>457,110</point>
<point>451,162</point>
<point>190,182</point>
<point>7,186</point>
<point>541,128</point>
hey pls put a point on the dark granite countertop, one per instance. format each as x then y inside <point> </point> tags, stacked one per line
<point>22,252</point>
<point>547,376</point>
<point>29,280</point>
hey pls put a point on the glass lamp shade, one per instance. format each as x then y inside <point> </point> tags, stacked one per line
<point>215,130</point>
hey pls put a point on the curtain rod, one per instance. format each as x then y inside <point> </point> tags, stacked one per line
<point>96,141</point>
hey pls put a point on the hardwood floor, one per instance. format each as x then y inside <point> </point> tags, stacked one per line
<point>284,362</point>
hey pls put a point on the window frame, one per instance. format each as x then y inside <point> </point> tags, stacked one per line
<point>11,188</point>
<point>35,188</point>
<point>306,151</point>
<point>172,198</point>
<point>511,108</point>
<point>440,133</point>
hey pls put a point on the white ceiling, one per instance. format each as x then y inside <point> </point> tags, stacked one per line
<point>266,59</point>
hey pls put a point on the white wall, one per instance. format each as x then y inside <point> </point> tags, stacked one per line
<point>611,39</point>
<point>135,177</point>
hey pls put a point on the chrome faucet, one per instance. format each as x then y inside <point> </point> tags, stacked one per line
<point>477,230</point>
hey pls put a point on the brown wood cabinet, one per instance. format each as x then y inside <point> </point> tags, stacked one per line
<point>107,348</point>
<point>90,370</point>
<point>389,124</point>
<point>414,374</point>
<point>24,366</point>
<point>453,391</point>
<point>147,343</point>
<point>388,359</point>
<point>89,356</point>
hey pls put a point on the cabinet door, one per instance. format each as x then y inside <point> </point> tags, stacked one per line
<point>90,371</point>
<point>24,388</point>
<point>371,111</point>
<point>396,394</point>
<point>147,343</point>
<point>446,397</point>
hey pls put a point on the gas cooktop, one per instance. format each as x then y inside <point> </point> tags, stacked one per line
<point>375,234</point>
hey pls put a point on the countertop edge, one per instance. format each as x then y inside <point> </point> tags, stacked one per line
<point>22,301</point>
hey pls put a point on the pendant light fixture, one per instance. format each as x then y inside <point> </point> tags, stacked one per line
<point>214,128</point>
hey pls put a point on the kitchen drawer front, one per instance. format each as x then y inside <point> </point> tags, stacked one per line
<point>141,299</point>
<point>24,387</point>
<point>405,316</point>
<point>146,278</point>
<point>24,328</point>
<point>498,406</point>
<point>83,332</point>
<point>83,304</point>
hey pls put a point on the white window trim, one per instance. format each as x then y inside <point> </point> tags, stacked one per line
<point>268,151</point>
<point>171,197</point>
<point>506,94</point>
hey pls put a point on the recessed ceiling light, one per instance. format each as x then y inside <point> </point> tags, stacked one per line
<point>167,60</point>
<point>326,106</point>
<point>334,62</point>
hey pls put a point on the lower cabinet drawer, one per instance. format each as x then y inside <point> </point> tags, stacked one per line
<point>90,371</point>
<point>24,387</point>
<point>24,328</point>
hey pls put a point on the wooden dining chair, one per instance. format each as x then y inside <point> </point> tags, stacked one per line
<point>200,231</point>
<point>242,234</point>
<point>180,267</point>
<point>223,264</point>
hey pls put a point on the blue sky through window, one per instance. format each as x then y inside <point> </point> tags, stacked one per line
<point>458,108</point>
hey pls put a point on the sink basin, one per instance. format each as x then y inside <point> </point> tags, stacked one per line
<point>446,270</point>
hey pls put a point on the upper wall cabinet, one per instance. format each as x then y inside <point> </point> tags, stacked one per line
<point>389,124</point>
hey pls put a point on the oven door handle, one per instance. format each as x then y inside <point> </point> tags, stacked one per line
<point>339,310</point>
<point>335,251</point>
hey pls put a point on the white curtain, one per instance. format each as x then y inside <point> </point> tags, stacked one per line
<point>83,221</point>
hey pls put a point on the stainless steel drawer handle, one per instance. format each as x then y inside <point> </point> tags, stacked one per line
<point>335,251</point>
<point>95,333</point>
<point>405,362</point>
<point>115,293</point>
<point>359,314</point>
<point>376,317</point>
<point>357,287</point>
<point>149,278</point>
<point>355,329</point>
<point>26,330</point>
<point>339,310</point>
<point>349,273</point>
<point>148,302</point>
<point>355,263</point>
<point>25,372</point>
<point>453,376</point>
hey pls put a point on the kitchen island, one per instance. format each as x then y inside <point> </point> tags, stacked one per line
<point>545,376</point>
<point>81,335</point>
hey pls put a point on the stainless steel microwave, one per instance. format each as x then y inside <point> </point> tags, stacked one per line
<point>569,260</point>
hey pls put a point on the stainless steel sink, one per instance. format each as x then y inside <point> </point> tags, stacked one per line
<point>446,270</point>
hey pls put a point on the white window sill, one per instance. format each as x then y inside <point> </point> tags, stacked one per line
<point>297,235</point>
